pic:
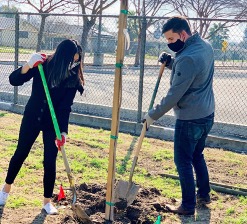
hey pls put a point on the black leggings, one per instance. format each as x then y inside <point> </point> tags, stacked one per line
<point>27,136</point>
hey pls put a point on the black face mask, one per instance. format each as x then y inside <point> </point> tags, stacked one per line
<point>177,46</point>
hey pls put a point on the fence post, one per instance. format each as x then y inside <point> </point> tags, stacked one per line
<point>142,64</point>
<point>17,28</point>
<point>98,58</point>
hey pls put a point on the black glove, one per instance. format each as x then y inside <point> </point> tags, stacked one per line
<point>165,58</point>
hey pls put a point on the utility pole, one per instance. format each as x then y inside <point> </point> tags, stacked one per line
<point>98,55</point>
<point>142,59</point>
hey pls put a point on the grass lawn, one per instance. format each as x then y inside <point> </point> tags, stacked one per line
<point>87,152</point>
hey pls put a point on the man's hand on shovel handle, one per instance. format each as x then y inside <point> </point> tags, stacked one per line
<point>148,120</point>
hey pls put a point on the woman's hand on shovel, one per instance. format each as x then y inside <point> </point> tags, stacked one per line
<point>61,142</point>
<point>36,59</point>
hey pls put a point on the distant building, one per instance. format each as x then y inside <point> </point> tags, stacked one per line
<point>54,33</point>
<point>27,33</point>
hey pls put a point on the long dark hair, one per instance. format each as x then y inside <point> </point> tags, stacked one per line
<point>80,71</point>
<point>59,62</point>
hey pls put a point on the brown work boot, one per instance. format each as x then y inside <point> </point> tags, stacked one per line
<point>180,210</point>
<point>203,200</point>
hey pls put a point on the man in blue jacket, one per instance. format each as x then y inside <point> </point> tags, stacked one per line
<point>192,99</point>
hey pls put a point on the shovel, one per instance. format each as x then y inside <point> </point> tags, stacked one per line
<point>76,208</point>
<point>126,191</point>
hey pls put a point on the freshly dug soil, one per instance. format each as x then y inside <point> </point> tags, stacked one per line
<point>145,209</point>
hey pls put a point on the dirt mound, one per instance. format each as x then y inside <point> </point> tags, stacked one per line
<point>145,209</point>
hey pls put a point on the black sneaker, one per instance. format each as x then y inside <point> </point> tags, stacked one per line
<point>203,200</point>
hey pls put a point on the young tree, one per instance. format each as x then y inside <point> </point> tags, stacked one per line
<point>45,7</point>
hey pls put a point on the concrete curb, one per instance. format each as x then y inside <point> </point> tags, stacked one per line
<point>227,130</point>
<point>164,133</point>
<point>158,132</point>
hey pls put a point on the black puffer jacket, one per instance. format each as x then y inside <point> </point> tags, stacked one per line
<point>37,111</point>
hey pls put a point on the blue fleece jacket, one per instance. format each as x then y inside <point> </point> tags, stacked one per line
<point>191,84</point>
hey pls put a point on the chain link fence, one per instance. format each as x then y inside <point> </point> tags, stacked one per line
<point>19,35</point>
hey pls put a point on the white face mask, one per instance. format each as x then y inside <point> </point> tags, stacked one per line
<point>74,64</point>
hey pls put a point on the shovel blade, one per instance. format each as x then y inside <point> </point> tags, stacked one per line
<point>81,214</point>
<point>125,192</point>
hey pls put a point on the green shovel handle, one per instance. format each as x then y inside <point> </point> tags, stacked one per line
<point>162,67</point>
<point>48,97</point>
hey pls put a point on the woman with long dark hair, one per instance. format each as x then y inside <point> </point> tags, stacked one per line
<point>63,71</point>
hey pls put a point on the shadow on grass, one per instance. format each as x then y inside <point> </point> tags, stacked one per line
<point>40,218</point>
<point>122,168</point>
<point>1,212</point>
<point>203,215</point>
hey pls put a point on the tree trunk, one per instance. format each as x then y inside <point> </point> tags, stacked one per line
<point>87,25</point>
<point>41,32</point>
<point>137,56</point>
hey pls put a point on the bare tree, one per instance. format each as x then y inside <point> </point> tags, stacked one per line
<point>145,8</point>
<point>90,8</point>
<point>213,9</point>
<point>45,7</point>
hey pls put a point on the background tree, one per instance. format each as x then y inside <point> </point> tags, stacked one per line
<point>146,8</point>
<point>89,8</point>
<point>45,6</point>
<point>6,8</point>
<point>132,26</point>
<point>243,43</point>
<point>217,35</point>
<point>230,9</point>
